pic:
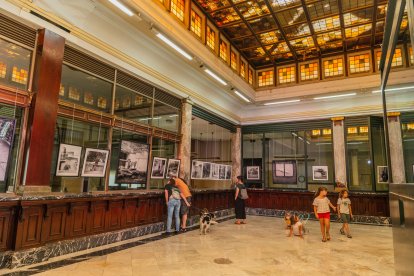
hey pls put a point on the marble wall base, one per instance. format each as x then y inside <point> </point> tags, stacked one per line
<point>14,259</point>
<point>373,220</point>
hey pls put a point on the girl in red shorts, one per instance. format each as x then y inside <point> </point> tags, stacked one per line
<point>322,212</point>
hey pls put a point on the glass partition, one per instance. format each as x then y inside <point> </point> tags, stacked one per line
<point>163,149</point>
<point>84,135</point>
<point>166,117</point>
<point>132,106</point>
<point>408,147</point>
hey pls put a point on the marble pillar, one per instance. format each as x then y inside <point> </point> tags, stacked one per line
<point>184,148</point>
<point>396,148</point>
<point>338,136</point>
<point>236,154</point>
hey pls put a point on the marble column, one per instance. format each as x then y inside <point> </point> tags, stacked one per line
<point>184,148</point>
<point>236,155</point>
<point>396,148</point>
<point>338,136</point>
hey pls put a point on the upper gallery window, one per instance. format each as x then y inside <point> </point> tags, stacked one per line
<point>265,78</point>
<point>242,70</point>
<point>177,8</point>
<point>333,67</point>
<point>397,59</point>
<point>250,76</point>
<point>309,71</point>
<point>211,38</point>
<point>286,74</point>
<point>195,24</point>
<point>233,60</point>
<point>359,63</point>
<point>223,50</point>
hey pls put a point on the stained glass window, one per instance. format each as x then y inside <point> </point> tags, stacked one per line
<point>223,50</point>
<point>326,24</point>
<point>358,30</point>
<point>265,78</point>
<point>211,38</point>
<point>19,75</point>
<point>3,69</point>
<point>357,17</point>
<point>177,8</point>
<point>233,60</point>
<point>397,59</point>
<point>195,24</point>
<point>250,76</point>
<point>327,131</point>
<point>286,74</point>
<point>333,67</point>
<point>309,71</point>
<point>359,63</point>
<point>411,56</point>
<point>242,70</point>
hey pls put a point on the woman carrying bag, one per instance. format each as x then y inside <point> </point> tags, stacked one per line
<point>239,197</point>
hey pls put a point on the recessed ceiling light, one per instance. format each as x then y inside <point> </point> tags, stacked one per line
<point>214,76</point>
<point>283,102</point>
<point>335,96</point>
<point>241,96</point>
<point>174,46</point>
<point>122,7</point>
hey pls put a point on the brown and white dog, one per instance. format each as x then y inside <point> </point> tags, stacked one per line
<point>206,219</point>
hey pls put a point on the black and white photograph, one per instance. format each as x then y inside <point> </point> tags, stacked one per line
<point>284,172</point>
<point>320,173</point>
<point>215,171</point>
<point>382,172</point>
<point>173,168</point>
<point>228,172</point>
<point>196,169</point>
<point>132,163</point>
<point>222,172</point>
<point>94,163</point>
<point>206,170</point>
<point>158,167</point>
<point>7,127</point>
<point>68,163</point>
<point>253,172</point>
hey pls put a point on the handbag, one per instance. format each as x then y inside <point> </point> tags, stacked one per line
<point>243,194</point>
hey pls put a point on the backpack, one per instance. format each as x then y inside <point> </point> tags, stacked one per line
<point>243,193</point>
<point>175,193</point>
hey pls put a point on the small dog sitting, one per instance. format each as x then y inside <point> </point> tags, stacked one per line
<point>288,220</point>
<point>206,219</point>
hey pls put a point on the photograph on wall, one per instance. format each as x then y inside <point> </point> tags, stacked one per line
<point>68,162</point>
<point>228,172</point>
<point>382,172</point>
<point>320,173</point>
<point>173,168</point>
<point>196,169</point>
<point>158,167</point>
<point>253,172</point>
<point>215,171</point>
<point>284,172</point>
<point>94,163</point>
<point>7,127</point>
<point>132,163</point>
<point>222,172</point>
<point>206,170</point>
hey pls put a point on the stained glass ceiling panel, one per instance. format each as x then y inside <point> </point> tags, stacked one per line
<point>284,30</point>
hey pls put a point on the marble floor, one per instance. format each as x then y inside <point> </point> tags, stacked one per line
<point>257,248</point>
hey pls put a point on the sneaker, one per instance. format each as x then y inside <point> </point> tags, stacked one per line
<point>342,231</point>
<point>349,236</point>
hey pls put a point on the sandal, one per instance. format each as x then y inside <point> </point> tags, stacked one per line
<point>349,236</point>
<point>323,239</point>
<point>342,231</point>
<point>237,222</point>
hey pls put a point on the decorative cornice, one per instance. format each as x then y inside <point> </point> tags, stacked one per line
<point>393,114</point>
<point>337,119</point>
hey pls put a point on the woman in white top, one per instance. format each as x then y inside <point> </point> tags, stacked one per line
<point>322,212</point>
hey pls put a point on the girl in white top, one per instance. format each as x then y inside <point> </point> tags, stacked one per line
<point>322,212</point>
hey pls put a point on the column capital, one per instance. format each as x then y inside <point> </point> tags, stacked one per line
<point>393,114</point>
<point>334,119</point>
<point>187,100</point>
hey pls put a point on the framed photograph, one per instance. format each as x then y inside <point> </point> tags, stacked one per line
<point>253,172</point>
<point>222,172</point>
<point>320,173</point>
<point>228,172</point>
<point>132,163</point>
<point>215,171</point>
<point>206,170</point>
<point>382,172</point>
<point>173,168</point>
<point>284,172</point>
<point>196,169</point>
<point>7,128</point>
<point>94,163</point>
<point>68,162</point>
<point>158,167</point>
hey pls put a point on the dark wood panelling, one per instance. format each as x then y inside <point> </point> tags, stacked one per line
<point>77,219</point>
<point>115,215</point>
<point>43,112</point>
<point>54,223</point>
<point>29,227</point>
<point>6,224</point>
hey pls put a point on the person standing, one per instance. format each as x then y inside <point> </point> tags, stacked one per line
<point>240,196</point>
<point>185,201</point>
<point>172,199</point>
<point>321,206</point>
<point>345,212</point>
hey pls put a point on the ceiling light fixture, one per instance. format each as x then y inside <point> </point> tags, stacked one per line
<point>174,46</point>
<point>394,89</point>
<point>122,7</point>
<point>242,96</point>
<point>283,102</point>
<point>335,96</point>
<point>214,76</point>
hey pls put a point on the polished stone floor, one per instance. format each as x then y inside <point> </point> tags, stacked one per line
<point>257,248</point>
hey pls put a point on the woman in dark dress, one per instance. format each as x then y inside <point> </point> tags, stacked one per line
<point>239,202</point>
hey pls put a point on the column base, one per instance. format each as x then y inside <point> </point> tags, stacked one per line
<point>34,190</point>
